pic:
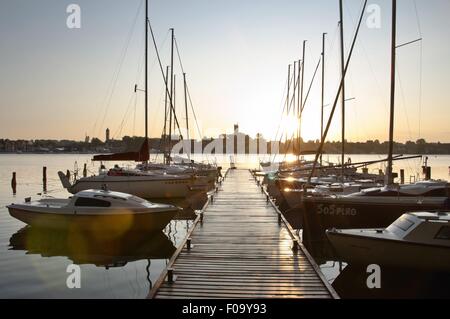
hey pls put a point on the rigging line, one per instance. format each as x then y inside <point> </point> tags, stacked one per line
<point>122,123</point>
<point>108,98</point>
<point>420,66</point>
<point>403,98</point>
<point>319,151</point>
<point>187,88</point>
<point>331,46</point>
<point>361,45</point>
<point>165,80</point>
<point>311,84</point>
<point>193,113</point>
<point>289,104</point>
<point>178,54</point>
<point>134,116</point>
<point>283,104</point>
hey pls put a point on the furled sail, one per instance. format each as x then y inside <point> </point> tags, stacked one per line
<point>140,156</point>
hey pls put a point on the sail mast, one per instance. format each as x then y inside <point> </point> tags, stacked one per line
<point>165,118</point>
<point>301,98</point>
<point>293,104</point>
<point>171,96</point>
<point>323,91</point>
<point>146,71</point>
<point>187,115</point>
<point>287,105</point>
<point>390,180</point>
<point>174,99</point>
<point>341,26</point>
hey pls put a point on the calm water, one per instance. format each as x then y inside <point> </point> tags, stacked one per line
<point>33,263</point>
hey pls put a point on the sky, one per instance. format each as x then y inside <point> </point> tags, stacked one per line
<point>61,83</point>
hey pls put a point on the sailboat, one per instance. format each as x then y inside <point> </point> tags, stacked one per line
<point>146,184</point>
<point>377,207</point>
<point>206,172</point>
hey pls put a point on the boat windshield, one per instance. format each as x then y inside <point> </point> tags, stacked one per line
<point>403,223</point>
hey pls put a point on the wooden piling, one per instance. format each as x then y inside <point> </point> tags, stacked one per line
<point>44,179</point>
<point>14,183</point>
<point>85,170</point>
<point>402,176</point>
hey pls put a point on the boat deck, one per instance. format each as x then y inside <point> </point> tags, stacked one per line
<point>240,246</point>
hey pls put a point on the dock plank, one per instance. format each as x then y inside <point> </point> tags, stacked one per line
<point>242,249</point>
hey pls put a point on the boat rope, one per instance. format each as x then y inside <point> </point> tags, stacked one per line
<point>165,80</point>
<point>111,88</point>
<point>283,104</point>
<point>187,88</point>
<point>420,65</point>
<point>319,151</point>
<point>403,98</point>
<point>310,85</point>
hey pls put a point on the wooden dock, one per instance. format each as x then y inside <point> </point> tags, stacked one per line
<point>240,246</point>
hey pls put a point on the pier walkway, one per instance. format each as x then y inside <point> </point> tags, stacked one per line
<point>240,246</point>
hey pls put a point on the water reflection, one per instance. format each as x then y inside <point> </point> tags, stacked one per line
<point>394,284</point>
<point>98,249</point>
<point>350,281</point>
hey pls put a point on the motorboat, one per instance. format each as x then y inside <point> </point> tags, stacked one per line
<point>418,240</point>
<point>101,210</point>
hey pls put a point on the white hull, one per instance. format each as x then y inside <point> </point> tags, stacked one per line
<point>395,253</point>
<point>113,223</point>
<point>140,186</point>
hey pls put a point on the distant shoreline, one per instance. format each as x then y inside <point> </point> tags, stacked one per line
<point>218,154</point>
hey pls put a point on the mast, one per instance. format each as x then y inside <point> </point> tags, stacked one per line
<point>287,104</point>
<point>301,97</point>
<point>165,118</point>
<point>390,179</point>
<point>171,94</point>
<point>323,90</point>
<point>174,100</point>
<point>293,97</point>
<point>146,71</point>
<point>341,27</point>
<point>187,114</point>
<point>298,101</point>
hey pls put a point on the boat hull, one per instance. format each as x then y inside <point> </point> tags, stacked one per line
<point>323,213</point>
<point>141,187</point>
<point>364,250</point>
<point>115,223</point>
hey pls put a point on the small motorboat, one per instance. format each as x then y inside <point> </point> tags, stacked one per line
<point>415,240</point>
<point>100,210</point>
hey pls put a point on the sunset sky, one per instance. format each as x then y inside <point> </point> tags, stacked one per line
<point>57,82</point>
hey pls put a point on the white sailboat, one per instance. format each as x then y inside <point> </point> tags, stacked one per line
<point>160,182</point>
